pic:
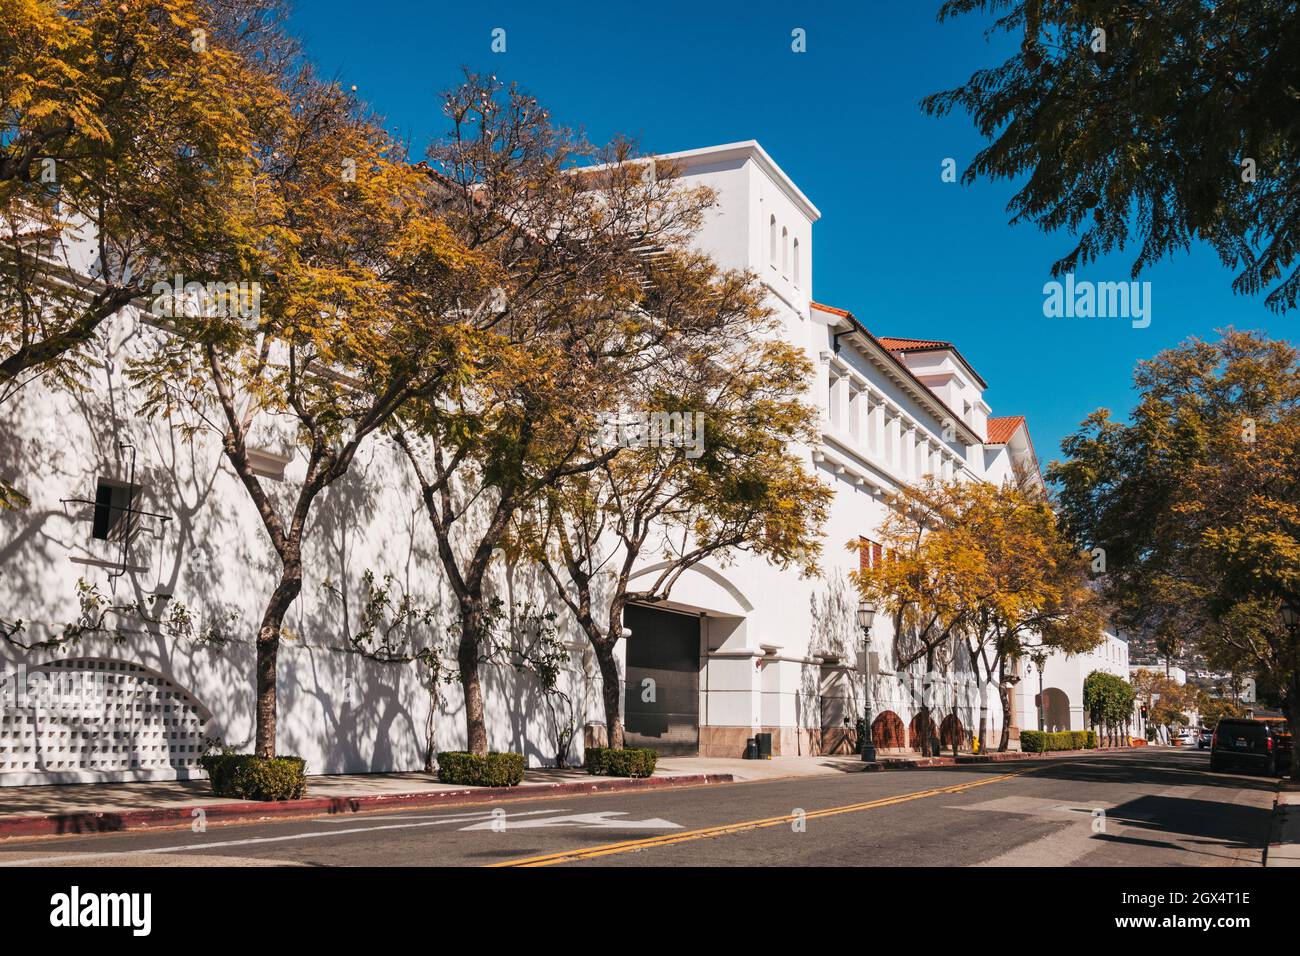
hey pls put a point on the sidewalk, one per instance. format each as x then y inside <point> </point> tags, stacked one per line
<point>1284,836</point>
<point>110,807</point>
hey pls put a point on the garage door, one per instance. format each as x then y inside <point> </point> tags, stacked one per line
<point>663,681</point>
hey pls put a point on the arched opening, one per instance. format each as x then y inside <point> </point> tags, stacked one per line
<point>914,732</point>
<point>785,251</point>
<point>1056,709</point>
<point>771,240</point>
<point>950,730</point>
<point>887,732</point>
<point>796,262</point>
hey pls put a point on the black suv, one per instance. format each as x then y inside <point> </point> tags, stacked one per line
<point>1246,744</point>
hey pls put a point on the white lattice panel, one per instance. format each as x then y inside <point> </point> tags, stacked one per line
<point>96,716</point>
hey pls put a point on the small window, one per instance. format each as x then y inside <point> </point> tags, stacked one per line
<point>870,553</point>
<point>771,240</point>
<point>796,263</point>
<point>785,251</point>
<point>112,510</point>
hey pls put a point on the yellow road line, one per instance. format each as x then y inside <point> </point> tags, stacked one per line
<point>630,846</point>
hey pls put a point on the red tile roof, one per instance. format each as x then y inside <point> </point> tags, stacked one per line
<point>1001,429</point>
<point>899,346</point>
<point>910,345</point>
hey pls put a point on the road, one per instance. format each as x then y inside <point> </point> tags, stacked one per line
<point>1137,808</point>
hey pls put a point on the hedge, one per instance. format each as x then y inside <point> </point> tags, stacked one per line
<point>629,762</point>
<point>481,770</point>
<point>1036,741</point>
<point>249,777</point>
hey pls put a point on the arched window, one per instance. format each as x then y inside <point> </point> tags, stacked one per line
<point>785,251</point>
<point>771,239</point>
<point>796,262</point>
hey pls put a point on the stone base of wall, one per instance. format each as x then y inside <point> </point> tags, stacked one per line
<point>786,741</point>
<point>839,740</point>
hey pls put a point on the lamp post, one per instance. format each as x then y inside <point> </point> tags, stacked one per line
<point>1040,662</point>
<point>1290,616</point>
<point>866,616</point>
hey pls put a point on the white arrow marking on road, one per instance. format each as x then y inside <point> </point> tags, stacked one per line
<point>6,860</point>
<point>603,818</point>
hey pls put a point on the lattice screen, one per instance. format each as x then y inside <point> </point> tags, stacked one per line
<point>96,716</point>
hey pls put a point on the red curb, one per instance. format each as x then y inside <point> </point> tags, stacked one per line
<point>66,824</point>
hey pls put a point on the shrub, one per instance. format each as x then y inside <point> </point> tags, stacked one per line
<point>249,777</point>
<point>1037,741</point>
<point>481,770</point>
<point>629,762</point>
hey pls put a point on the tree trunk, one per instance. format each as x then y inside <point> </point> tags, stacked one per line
<point>611,684</point>
<point>925,705</point>
<point>467,658</point>
<point>268,649</point>
<point>1293,720</point>
<point>1004,698</point>
<point>610,692</point>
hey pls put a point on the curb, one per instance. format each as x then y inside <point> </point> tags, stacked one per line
<point>68,824</point>
<point>1283,847</point>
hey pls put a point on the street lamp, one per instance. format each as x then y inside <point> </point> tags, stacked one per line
<point>866,617</point>
<point>1290,616</point>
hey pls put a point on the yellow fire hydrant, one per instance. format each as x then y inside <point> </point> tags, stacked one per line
<point>975,744</point>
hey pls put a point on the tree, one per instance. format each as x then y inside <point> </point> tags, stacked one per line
<point>1214,709</point>
<point>1145,122</point>
<point>1108,699</point>
<point>1195,502</point>
<point>558,334</point>
<point>1033,588</point>
<point>358,279</point>
<point>125,131</point>
<point>932,578</point>
<point>731,485</point>
<point>985,565</point>
<point>1166,700</point>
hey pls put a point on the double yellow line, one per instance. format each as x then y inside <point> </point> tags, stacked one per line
<point>687,836</point>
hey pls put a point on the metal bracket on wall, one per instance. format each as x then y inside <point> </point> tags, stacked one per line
<point>131,512</point>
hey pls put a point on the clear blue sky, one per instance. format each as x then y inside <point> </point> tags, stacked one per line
<point>909,254</point>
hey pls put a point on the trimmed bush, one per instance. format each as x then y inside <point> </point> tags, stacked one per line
<point>1037,741</point>
<point>249,777</point>
<point>481,770</point>
<point>629,762</point>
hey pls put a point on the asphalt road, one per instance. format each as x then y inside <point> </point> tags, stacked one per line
<point>1139,808</point>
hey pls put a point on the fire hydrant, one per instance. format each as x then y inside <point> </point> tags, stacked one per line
<point>975,744</point>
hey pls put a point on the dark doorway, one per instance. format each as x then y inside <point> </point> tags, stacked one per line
<point>664,649</point>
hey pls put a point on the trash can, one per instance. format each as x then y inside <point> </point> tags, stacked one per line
<point>751,749</point>
<point>764,742</point>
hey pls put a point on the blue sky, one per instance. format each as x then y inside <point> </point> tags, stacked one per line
<point>909,254</point>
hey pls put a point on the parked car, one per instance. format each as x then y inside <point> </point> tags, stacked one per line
<point>1245,744</point>
<point>1204,739</point>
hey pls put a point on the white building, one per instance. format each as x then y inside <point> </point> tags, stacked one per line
<point>1052,698</point>
<point>738,650</point>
